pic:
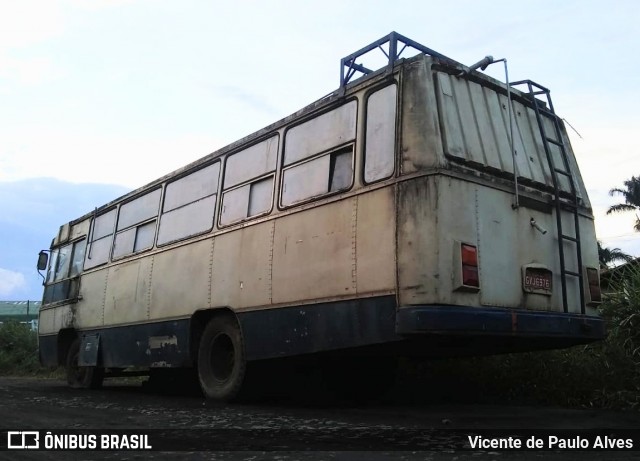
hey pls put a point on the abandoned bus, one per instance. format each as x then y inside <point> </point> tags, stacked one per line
<point>424,209</point>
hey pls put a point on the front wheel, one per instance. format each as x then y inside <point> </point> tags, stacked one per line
<point>221,361</point>
<point>81,377</point>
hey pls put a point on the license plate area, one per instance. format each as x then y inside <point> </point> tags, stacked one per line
<point>538,280</point>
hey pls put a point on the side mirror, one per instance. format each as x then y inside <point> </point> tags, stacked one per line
<point>43,260</point>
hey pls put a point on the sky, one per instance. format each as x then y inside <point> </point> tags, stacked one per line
<point>125,91</point>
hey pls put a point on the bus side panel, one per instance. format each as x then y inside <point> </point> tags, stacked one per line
<point>127,294</point>
<point>418,277</point>
<point>241,270</point>
<point>375,242</point>
<point>314,253</point>
<point>90,309</point>
<point>46,321</point>
<point>180,280</point>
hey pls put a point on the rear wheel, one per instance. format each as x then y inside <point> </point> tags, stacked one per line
<point>221,361</point>
<point>81,377</point>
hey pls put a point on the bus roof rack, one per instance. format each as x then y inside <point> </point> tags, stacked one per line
<point>348,65</point>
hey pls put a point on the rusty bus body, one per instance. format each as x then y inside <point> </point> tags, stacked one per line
<point>383,216</point>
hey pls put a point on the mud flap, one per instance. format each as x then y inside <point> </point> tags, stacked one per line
<point>89,348</point>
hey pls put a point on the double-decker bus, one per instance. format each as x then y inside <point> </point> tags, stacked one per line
<point>423,209</point>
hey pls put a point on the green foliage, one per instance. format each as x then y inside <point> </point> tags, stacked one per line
<point>631,195</point>
<point>607,256</point>
<point>18,349</point>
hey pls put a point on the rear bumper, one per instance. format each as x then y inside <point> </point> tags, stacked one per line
<point>497,322</point>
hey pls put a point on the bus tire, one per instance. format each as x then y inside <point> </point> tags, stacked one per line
<point>81,377</point>
<point>221,361</point>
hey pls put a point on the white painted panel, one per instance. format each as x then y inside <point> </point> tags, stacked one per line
<point>314,253</point>
<point>180,280</point>
<point>321,133</point>
<point>127,293</point>
<point>241,269</point>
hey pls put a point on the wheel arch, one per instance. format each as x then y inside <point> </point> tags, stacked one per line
<point>66,337</point>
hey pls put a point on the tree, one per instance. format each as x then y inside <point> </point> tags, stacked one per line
<point>631,195</point>
<point>607,256</point>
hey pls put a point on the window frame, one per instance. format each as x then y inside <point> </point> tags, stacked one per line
<point>216,204</point>
<point>91,241</point>
<point>64,288</point>
<point>248,182</point>
<point>136,225</point>
<point>244,184</point>
<point>351,145</point>
<point>397,126</point>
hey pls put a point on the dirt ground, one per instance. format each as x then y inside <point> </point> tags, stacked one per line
<point>187,426</point>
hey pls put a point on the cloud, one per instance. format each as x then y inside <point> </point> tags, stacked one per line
<point>11,282</point>
<point>131,161</point>
<point>28,22</point>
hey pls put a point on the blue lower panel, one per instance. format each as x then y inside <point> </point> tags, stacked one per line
<point>148,344</point>
<point>312,328</point>
<point>460,320</point>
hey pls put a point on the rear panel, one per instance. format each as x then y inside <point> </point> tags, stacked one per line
<point>472,200</point>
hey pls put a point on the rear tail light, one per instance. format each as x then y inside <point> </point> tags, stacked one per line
<point>469,258</point>
<point>593,286</point>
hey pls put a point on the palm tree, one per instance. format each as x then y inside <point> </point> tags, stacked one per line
<point>611,255</point>
<point>631,195</point>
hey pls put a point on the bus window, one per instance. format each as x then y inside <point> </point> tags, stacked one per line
<point>63,263</point>
<point>248,182</point>
<point>328,173</point>
<point>189,205</point>
<point>321,134</point>
<point>78,257</point>
<point>100,240</point>
<point>136,225</point>
<point>381,134</point>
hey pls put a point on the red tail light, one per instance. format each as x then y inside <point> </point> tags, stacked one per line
<point>469,257</point>
<point>593,282</point>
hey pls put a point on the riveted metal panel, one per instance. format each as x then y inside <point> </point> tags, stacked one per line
<point>180,280</point>
<point>313,253</point>
<point>375,250</point>
<point>241,271</point>
<point>127,294</point>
